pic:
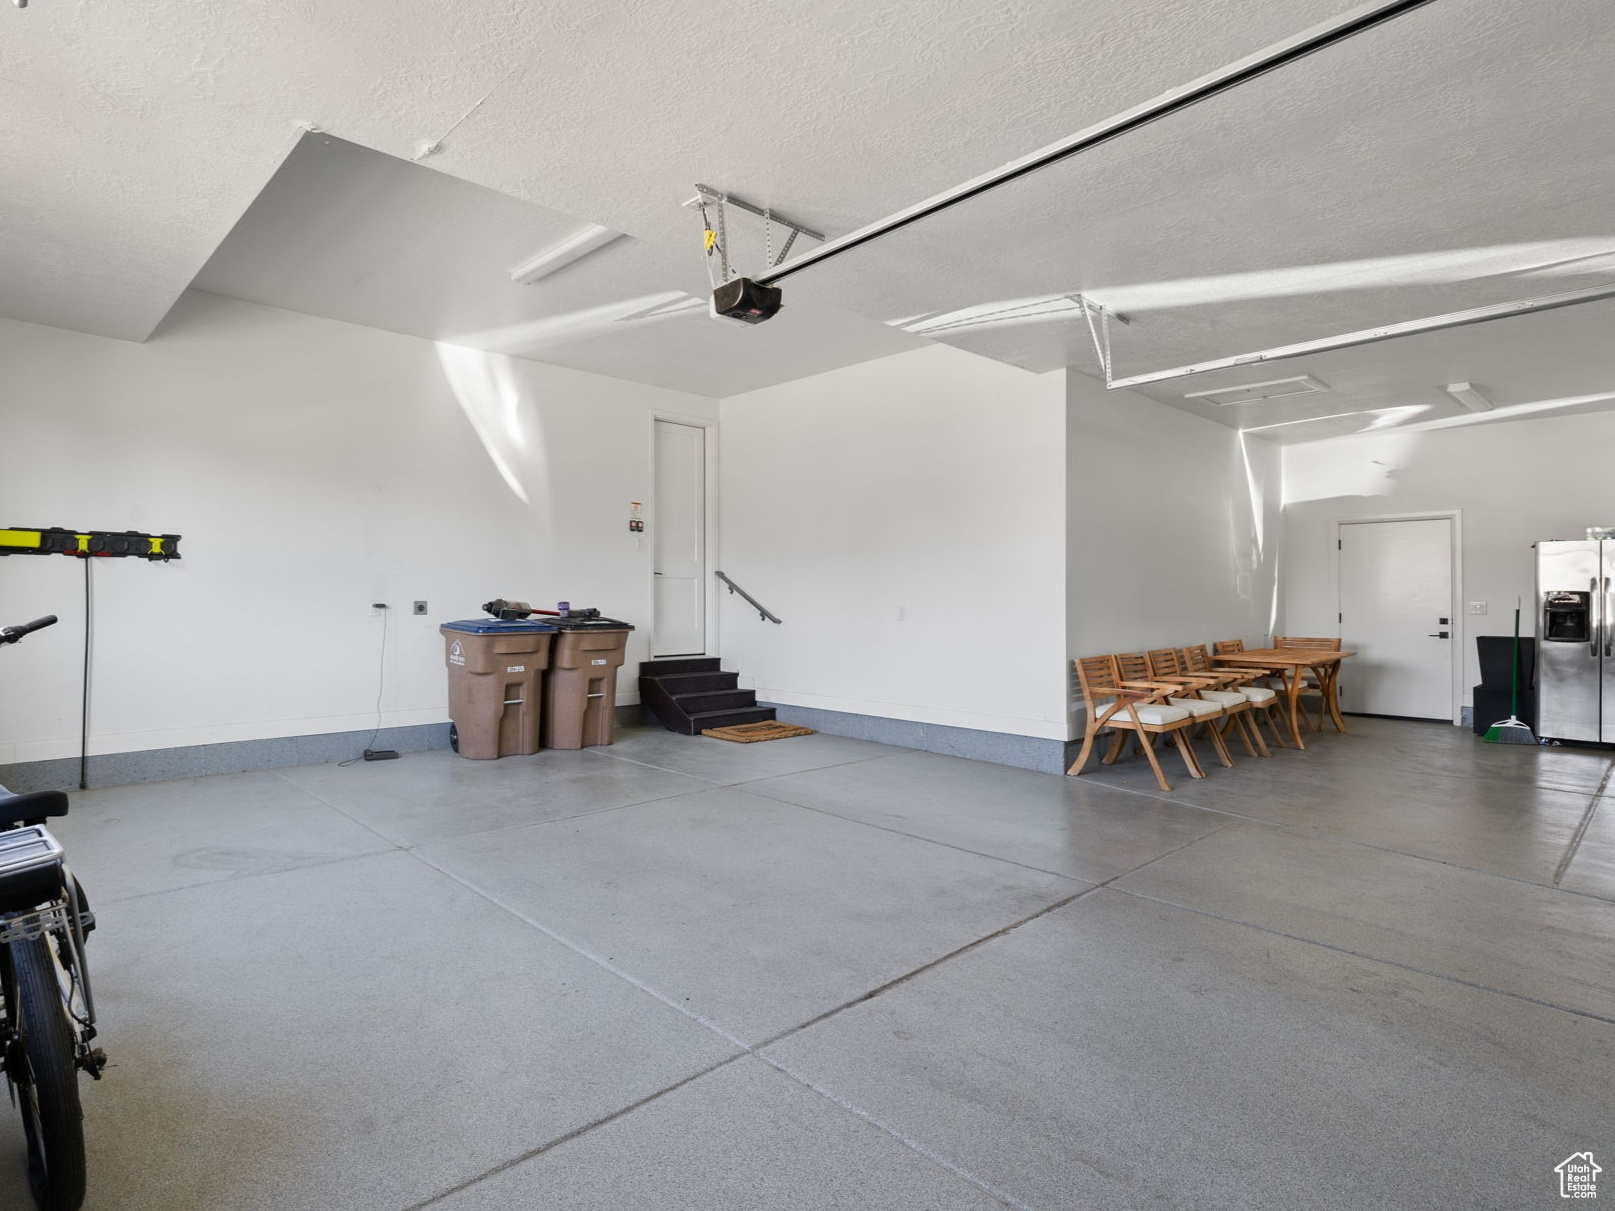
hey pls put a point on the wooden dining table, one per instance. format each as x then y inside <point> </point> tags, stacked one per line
<point>1290,664</point>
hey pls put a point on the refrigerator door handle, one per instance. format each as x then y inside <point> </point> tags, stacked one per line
<point>1596,629</point>
<point>1609,638</point>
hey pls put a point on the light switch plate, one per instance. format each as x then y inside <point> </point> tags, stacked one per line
<point>1477,607</point>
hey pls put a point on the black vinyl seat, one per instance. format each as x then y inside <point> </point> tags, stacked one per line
<point>32,807</point>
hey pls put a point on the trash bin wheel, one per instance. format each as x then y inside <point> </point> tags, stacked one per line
<point>454,738</point>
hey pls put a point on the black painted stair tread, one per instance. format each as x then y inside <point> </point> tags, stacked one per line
<point>706,719</point>
<point>680,664</point>
<point>679,684</point>
<point>715,700</point>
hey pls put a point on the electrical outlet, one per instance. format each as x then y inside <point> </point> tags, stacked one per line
<point>420,607</point>
<point>1477,607</point>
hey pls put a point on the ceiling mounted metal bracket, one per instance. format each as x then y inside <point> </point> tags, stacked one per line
<point>789,240</point>
<point>1099,332</point>
<point>709,194</point>
<point>717,239</point>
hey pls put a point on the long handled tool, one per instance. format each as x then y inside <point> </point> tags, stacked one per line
<point>1511,730</point>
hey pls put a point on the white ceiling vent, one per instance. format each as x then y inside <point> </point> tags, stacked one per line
<point>1250,393</point>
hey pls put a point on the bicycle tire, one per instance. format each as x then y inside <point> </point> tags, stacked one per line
<point>52,1118</point>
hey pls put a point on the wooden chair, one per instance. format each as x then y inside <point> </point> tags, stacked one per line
<point>1165,665</point>
<point>1142,712</point>
<point>1263,699</point>
<point>1222,647</point>
<point>1135,671</point>
<point>1273,678</point>
<point>1311,682</point>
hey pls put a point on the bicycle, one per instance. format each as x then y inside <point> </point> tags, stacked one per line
<point>47,1013</point>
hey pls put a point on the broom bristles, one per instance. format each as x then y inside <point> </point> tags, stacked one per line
<point>1509,731</point>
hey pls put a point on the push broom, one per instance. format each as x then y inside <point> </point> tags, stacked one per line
<point>1511,730</point>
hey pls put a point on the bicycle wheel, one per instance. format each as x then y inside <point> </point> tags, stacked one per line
<point>49,1095</point>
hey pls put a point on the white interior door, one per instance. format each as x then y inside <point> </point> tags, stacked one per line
<point>678,525</point>
<point>1396,613</point>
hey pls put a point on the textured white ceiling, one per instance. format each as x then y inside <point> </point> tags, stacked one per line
<point>353,234</point>
<point>1527,366</point>
<point>1460,155</point>
<point>139,133</point>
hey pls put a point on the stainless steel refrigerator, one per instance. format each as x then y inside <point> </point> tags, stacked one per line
<point>1575,633</point>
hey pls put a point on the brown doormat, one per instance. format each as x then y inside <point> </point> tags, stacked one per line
<point>751,733</point>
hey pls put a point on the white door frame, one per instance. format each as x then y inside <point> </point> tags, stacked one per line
<point>709,543</point>
<point>1456,517</point>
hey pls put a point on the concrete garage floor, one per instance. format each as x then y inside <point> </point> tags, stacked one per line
<point>823,973</point>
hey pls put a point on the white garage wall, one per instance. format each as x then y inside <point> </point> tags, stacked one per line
<point>1515,482</point>
<point>906,519</point>
<point>1173,533</point>
<point>312,467</point>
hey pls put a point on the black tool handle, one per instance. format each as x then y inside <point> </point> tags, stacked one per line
<point>12,634</point>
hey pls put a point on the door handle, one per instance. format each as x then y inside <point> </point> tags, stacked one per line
<point>1608,639</point>
<point>1440,635</point>
<point>1596,627</point>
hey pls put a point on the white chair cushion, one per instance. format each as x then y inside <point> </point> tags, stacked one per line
<point>1226,697</point>
<point>1156,714</point>
<point>1258,695</point>
<point>1197,706</point>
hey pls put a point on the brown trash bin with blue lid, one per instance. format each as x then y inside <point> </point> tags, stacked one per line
<point>580,699</point>
<point>495,685</point>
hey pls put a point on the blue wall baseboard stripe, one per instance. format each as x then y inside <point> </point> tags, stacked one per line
<point>194,761</point>
<point>1001,748</point>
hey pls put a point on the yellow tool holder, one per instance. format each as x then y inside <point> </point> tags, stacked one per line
<point>88,543</point>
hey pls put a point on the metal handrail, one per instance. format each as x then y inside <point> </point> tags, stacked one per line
<point>762,611</point>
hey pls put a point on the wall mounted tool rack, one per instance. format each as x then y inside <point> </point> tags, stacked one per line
<point>88,545</point>
<point>99,543</point>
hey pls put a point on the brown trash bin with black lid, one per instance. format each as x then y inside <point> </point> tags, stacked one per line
<point>580,698</point>
<point>496,702</point>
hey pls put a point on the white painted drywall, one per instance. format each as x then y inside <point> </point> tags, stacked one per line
<point>1173,527</point>
<point>312,467</point>
<point>1514,482</point>
<point>906,519</point>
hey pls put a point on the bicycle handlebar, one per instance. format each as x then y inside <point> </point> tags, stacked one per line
<point>13,634</point>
